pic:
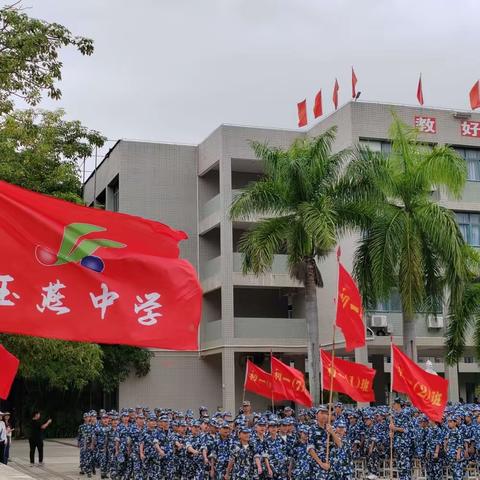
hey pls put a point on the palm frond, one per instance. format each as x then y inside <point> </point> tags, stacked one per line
<point>443,167</point>
<point>264,197</point>
<point>465,318</point>
<point>260,245</point>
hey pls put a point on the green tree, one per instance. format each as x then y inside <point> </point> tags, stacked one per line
<point>29,56</point>
<point>465,316</point>
<point>39,150</point>
<point>412,243</point>
<point>306,200</point>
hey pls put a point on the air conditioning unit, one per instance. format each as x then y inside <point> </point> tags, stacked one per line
<point>434,321</point>
<point>378,321</point>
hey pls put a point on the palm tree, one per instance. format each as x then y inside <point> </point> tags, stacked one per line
<point>306,200</point>
<point>412,243</point>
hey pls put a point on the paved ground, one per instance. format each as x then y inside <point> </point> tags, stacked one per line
<point>60,460</point>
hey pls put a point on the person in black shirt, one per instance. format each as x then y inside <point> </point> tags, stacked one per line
<point>36,437</point>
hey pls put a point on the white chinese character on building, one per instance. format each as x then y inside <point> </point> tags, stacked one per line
<point>426,124</point>
<point>148,306</point>
<point>52,299</point>
<point>5,292</point>
<point>470,129</point>
<point>104,300</point>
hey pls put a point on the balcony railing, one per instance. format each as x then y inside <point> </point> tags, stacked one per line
<point>253,327</point>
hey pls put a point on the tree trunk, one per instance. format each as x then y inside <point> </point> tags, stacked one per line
<point>311,317</point>
<point>409,336</point>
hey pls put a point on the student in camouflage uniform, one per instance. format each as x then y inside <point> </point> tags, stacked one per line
<point>402,443</point>
<point>301,461</point>
<point>342,466</point>
<point>433,447</point>
<point>241,465</point>
<point>453,445</point>
<point>220,454</point>
<point>101,439</point>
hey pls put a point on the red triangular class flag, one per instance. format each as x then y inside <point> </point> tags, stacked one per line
<point>420,91</point>
<point>350,378</point>
<point>354,84</point>
<point>260,382</point>
<point>349,310</point>
<point>86,274</point>
<point>475,95</point>
<point>302,113</point>
<point>427,391</point>
<point>336,88</point>
<point>289,383</point>
<point>318,108</point>
<point>8,369</point>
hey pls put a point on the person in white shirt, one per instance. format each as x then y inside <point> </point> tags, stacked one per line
<point>10,429</point>
<point>3,438</point>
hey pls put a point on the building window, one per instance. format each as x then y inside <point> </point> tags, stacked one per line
<point>377,146</point>
<point>115,198</point>
<point>469,224</point>
<point>472,157</point>
<point>392,304</point>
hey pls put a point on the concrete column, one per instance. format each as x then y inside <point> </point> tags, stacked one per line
<point>380,379</point>
<point>226,249</point>
<point>451,374</point>
<point>228,380</point>
<point>361,356</point>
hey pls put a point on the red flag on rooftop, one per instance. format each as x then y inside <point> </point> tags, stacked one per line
<point>427,391</point>
<point>354,84</point>
<point>318,108</point>
<point>420,91</point>
<point>475,95</point>
<point>336,88</point>
<point>8,369</point>
<point>302,113</point>
<point>86,274</point>
<point>289,383</point>
<point>350,378</point>
<point>260,382</point>
<point>349,310</point>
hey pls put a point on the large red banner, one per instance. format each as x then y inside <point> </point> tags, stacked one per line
<point>289,383</point>
<point>350,378</point>
<point>349,310</point>
<point>260,382</point>
<point>427,391</point>
<point>85,274</point>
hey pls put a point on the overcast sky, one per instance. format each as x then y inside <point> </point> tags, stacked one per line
<point>173,70</point>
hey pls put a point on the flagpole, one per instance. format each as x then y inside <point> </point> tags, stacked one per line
<point>245,381</point>
<point>391,407</point>
<point>330,396</point>
<point>273,402</point>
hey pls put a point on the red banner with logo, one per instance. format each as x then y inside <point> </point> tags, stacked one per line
<point>427,391</point>
<point>349,310</point>
<point>289,383</point>
<point>350,378</point>
<point>8,370</point>
<point>78,273</point>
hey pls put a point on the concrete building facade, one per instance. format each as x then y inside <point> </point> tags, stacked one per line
<point>191,187</point>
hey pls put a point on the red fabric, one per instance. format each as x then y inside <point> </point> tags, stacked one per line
<point>336,88</point>
<point>349,378</point>
<point>420,91</point>
<point>302,113</point>
<point>260,382</point>
<point>44,251</point>
<point>8,369</point>
<point>289,383</point>
<point>349,311</point>
<point>427,391</point>
<point>318,108</point>
<point>354,84</point>
<point>475,95</point>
